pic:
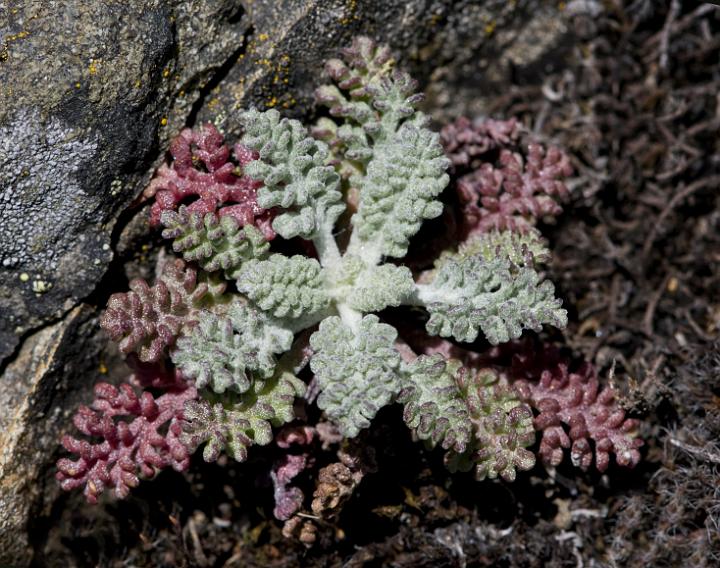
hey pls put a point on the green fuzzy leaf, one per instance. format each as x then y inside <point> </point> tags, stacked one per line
<point>292,166</point>
<point>502,428</point>
<point>369,288</point>
<point>521,249</point>
<point>434,407</point>
<point>218,427</point>
<point>215,243</point>
<point>286,287</point>
<point>382,148</point>
<point>348,146</point>
<point>357,371</point>
<point>234,421</point>
<point>371,97</point>
<point>472,294</point>
<point>221,351</point>
<point>381,286</point>
<point>399,192</point>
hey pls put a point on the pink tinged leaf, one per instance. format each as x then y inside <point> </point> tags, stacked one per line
<point>509,191</point>
<point>574,400</point>
<point>146,320</point>
<point>131,443</point>
<point>203,177</point>
<point>288,499</point>
<point>295,436</point>
<point>465,141</point>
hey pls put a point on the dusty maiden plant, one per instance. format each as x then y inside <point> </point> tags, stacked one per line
<point>225,330</point>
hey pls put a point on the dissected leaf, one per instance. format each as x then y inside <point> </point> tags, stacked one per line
<point>286,287</point>
<point>222,351</point>
<point>434,407</point>
<point>357,370</point>
<point>472,294</point>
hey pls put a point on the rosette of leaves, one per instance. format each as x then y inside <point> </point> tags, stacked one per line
<point>229,349</point>
<point>399,173</point>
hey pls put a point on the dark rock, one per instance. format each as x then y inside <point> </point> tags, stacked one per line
<point>461,51</point>
<point>90,91</point>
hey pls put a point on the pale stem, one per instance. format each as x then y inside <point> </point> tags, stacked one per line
<point>350,317</point>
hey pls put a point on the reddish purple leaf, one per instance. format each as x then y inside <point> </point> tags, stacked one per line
<point>147,319</point>
<point>203,177</point>
<point>503,184</point>
<point>127,435</point>
<point>573,410</point>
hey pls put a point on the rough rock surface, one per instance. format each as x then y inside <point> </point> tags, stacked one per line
<point>92,91</point>
<point>460,50</point>
<point>36,403</point>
